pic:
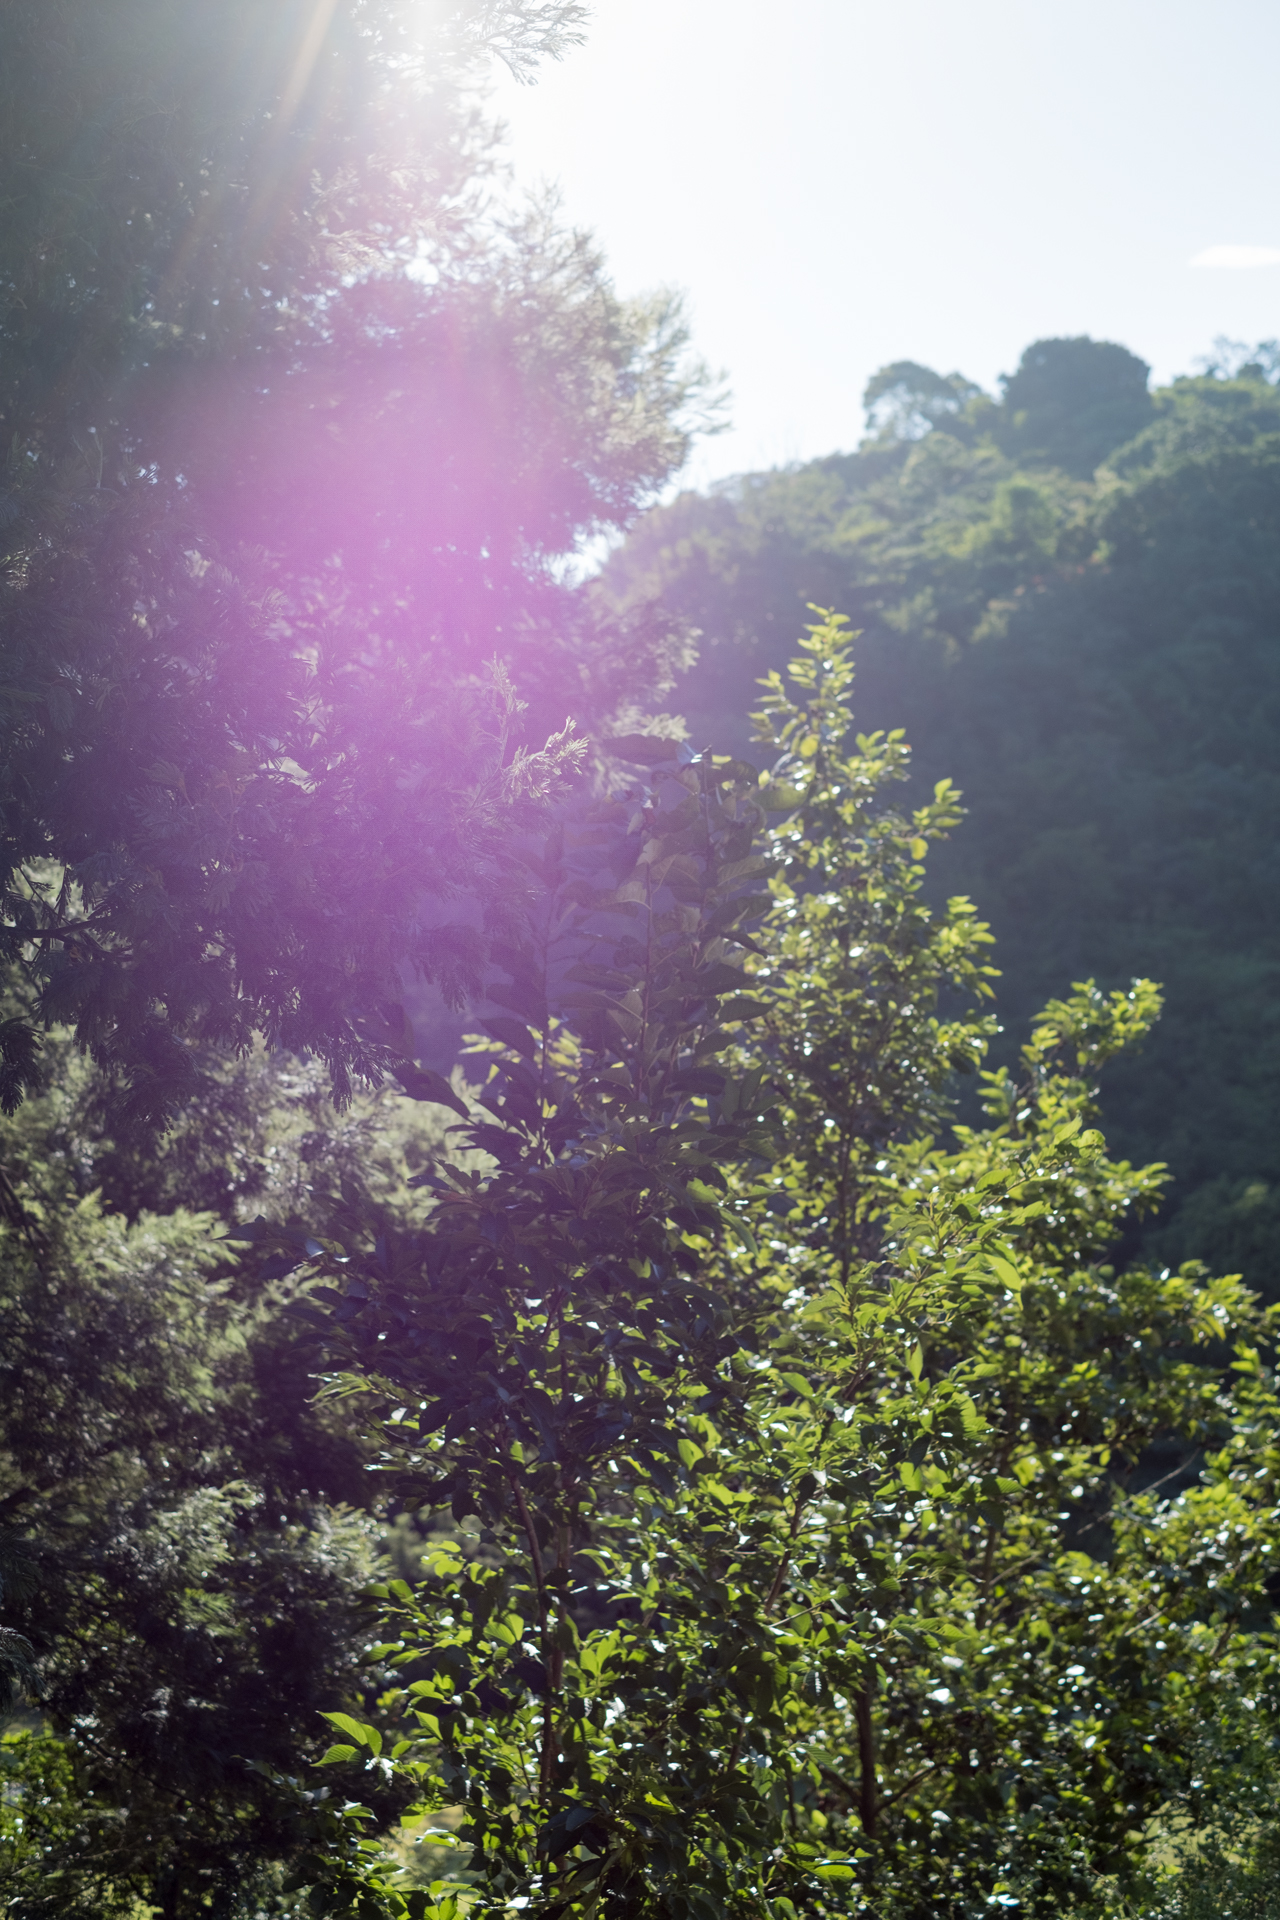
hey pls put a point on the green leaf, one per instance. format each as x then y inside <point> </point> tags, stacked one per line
<point>1006,1273</point>
<point>643,749</point>
<point>364,1736</point>
<point>748,869</point>
<point>718,979</point>
<point>738,1229</point>
<point>697,1080</point>
<point>512,1033</point>
<point>424,1083</point>
<point>741,1006</point>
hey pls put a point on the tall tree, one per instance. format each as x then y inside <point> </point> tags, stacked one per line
<point>191,1531</point>
<point>786,1560</point>
<point>301,417</point>
<point>254,291</point>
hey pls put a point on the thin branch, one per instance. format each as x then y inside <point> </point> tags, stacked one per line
<point>546,1753</point>
<point>866,1760</point>
<point>785,1561</point>
<point>840,1780</point>
<point>899,1792</point>
<point>535,1552</point>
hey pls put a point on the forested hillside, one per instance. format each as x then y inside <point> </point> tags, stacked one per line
<point>677,1463</point>
<point>1070,601</point>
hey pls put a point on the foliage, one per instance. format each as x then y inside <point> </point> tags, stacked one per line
<point>803,1535</point>
<point>41,1818</point>
<point>1072,402</point>
<point>566,1313</point>
<point>302,419</point>
<point>259,1135</point>
<point>1090,656</point>
<point>855,963</point>
<point>187,1532</point>
<point>181,182</point>
<point>300,425</point>
<point>784,1476</point>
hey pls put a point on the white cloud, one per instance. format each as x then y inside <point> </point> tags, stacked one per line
<point>1237,257</point>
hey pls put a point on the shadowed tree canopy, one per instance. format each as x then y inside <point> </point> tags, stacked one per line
<point>1071,402</point>
<point>302,418</point>
<point>181,182</point>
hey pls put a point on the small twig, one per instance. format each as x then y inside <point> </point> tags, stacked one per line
<point>1151,1486</point>
<point>72,936</point>
<point>773,1593</point>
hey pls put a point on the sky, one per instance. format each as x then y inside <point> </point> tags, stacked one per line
<point>835,184</point>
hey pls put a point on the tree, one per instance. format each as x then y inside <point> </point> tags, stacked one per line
<point>905,401</point>
<point>243,791</point>
<point>187,186</point>
<point>783,1555</point>
<point>1092,662</point>
<point>189,1532</point>
<point>1072,402</point>
<point>261,741</point>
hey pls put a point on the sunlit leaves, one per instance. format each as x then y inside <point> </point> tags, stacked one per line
<point>786,1447</point>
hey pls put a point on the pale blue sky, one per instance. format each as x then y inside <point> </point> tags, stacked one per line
<point>836,184</point>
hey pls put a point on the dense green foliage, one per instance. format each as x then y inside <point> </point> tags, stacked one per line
<point>751,1474</point>
<point>262,763</point>
<point>253,756</point>
<point>1092,656</point>
<point>790,1537</point>
<point>191,1531</point>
